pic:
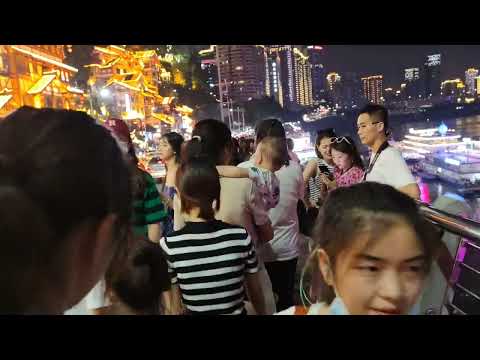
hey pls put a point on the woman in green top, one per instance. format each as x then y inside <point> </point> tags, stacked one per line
<point>148,209</point>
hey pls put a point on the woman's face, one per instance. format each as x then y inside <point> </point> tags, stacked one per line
<point>341,160</point>
<point>324,149</point>
<point>384,277</point>
<point>165,150</point>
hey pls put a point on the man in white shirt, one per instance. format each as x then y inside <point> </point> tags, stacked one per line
<point>280,254</point>
<point>387,165</point>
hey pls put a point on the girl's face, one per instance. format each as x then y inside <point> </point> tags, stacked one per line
<point>341,160</point>
<point>165,150</point>
<point>385,277</point>
<point>324,149</point>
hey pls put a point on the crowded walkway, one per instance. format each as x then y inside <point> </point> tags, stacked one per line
<point>237,226</point>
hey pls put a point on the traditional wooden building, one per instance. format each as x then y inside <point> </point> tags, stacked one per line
<point>128,81</point>
<point>36,75</point>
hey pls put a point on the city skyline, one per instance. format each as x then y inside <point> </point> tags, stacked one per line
<point>392,60</point>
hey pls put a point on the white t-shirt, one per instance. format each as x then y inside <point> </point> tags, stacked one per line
<point>95,299</point>
<point>390,169</point>
<point>284,245</point>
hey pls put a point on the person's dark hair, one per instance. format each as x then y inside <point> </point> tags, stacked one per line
<point>322,134</point>
<point>379,112</point>
<point>369,208</point>
<point>350,149</point>
<point>144,278</point>
<point>290,144</point>
<point>274,149</point>
<point>175,140</point>
<point>58,171</point>
<point>210,139</point>
<point>198,183</point>
<point>272,128</point>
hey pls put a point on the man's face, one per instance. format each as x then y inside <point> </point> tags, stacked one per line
<point>369,129</point>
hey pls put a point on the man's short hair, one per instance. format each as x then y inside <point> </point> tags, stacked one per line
<point>379,112</point>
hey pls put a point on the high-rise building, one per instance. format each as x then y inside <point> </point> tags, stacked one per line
<point>373,88</point>
<point>303,79</point>
<point>432,75</point>
<point>351,90</point>
<point>334,86</point>
<point>273,84</point>
<point>285,69</point>
<point>242,71</point>
<point>470,76</point>
<point>389,95</point>
<point>412,83</point>
<point>318,73</point>
<point>209,67</point>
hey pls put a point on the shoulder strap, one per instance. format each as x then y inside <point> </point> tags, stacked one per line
<point>370,166</point>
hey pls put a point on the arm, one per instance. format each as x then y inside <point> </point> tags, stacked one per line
<point>411,190</point>
<point>178,221</point>
<point>310,170</point>
<point>255,293</point>
<point>172,301</point>
<point>232,171</point>
<point>155,232</point>
<point>265,232</point>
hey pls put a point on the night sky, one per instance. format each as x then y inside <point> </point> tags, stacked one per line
<point>391,60</point>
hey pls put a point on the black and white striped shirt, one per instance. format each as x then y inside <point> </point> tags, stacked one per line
<point>209,261</point>
<point>314,183</point>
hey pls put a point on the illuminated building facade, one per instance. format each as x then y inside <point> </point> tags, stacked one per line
<point>432,75</point>
<point>127,82</point>
<point>470,76</point>
<point>412,83</point>
<point>317,73</point>
<point>242,71</point>
<point>209,67</point>
<point>373,88</point>
<point>452,89</point>
<point>303,79</point>
<point>273,83</point>
<point>36,75</point>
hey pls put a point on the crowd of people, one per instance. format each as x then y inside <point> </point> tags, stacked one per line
<point>223,233</point>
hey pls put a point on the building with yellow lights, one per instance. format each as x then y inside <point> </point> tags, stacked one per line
<point>36,75</point>
<point>126,82</point>
<point>452,88</point>
<point>303,79</point>
<point>373,88</point>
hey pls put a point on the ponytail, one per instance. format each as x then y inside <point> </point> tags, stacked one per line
<point>194,150</point>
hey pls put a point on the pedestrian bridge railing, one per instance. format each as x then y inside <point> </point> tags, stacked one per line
<point>462,295</point>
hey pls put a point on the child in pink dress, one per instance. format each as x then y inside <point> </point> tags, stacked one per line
<point>348,168</point>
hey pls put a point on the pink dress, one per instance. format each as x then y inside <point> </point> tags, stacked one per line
<point>352,176</point>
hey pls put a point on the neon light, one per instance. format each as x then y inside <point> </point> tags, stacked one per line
<point>43,58</point>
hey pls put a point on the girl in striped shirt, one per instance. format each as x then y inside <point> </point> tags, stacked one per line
<point>210,262</point>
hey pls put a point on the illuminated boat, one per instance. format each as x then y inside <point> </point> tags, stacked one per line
<point>419,143</point>
<point>462,169</point>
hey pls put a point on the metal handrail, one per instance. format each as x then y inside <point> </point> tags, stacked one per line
<point>452,223</point>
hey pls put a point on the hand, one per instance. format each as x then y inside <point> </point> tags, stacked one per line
<point>331,184</point>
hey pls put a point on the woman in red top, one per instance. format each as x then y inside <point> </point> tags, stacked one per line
<point>349,169</point>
